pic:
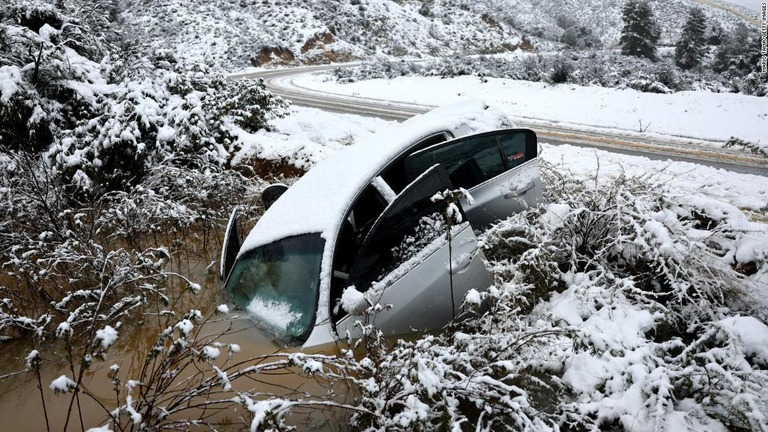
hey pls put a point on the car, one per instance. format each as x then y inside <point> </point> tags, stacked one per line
<point>369,220</point>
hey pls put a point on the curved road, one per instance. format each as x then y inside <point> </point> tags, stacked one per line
<point>280,82</point>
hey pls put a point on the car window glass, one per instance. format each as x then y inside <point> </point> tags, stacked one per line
<point>278,284</point>
<point>518,146</point>
<point>395,174</point>
<point>468,162</point>
<point>366,209</point>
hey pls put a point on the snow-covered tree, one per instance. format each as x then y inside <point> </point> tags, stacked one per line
<point>739,53</point>
<point>641,31</point>
<point>580,37</point>
<point>692,46</point>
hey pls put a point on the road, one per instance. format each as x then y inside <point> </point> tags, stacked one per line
<point>280,82</point>
<point>734,10</point>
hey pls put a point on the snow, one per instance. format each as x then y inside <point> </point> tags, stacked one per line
<point>279,315</point>
<point>62,384</point>
<point>353,301</point>
<point>10,78</point>
<point>699,115</point>
<point>32,358</point>
<point>210,353</point>
<point>106,336</point>
<point>185,326</point>
<point>473,296</point>
<point>224,378</point>
<point>64,329</point>
<point>751,333</point>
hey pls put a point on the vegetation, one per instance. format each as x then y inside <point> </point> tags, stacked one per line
<point>605,253</point>
<point>691,49</point>
<point>117,175</point>
<point>640,33</point>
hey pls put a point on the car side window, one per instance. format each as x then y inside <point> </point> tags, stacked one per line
<point>474,160</point>
<point>518,148</point>
<point>468,162</point>
<point>395,174</point>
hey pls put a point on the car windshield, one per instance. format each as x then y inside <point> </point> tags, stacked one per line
<point>278,284</point>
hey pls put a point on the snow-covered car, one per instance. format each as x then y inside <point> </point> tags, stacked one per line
<point>367,217</point>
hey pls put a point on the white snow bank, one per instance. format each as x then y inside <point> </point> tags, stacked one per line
<point>704,115</point>
<point>10,78</point>
<point>752,334</point>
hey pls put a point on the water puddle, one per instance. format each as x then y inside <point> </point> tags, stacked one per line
<point>20,397</point>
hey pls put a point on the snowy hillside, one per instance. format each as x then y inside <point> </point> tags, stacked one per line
<point>227,32</point>
<point>546,18</point>
<point>233,33</point>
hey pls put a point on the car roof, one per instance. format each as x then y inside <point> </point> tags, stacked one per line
<point>318,201</point>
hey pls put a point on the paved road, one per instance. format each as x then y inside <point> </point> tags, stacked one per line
<point>280,82</point>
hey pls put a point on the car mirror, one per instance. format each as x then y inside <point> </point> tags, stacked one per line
<point>231,246</point>
<point>271,193</point>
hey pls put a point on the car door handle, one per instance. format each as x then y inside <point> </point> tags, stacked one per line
<point>519,191</point>
<point>460,264</point>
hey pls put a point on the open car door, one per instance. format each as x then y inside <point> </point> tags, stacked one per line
<point>405,262</point>
<point>500,169</point>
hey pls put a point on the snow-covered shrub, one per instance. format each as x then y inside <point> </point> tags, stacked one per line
<point>561,70</point>
<point>752,147</point>
<point>181,116</point>
<point>619,304</point>
<point>648,85</point>
<point>606,69</point>
<point>105,119</point>
<point>580,37</point>
<point>739,53</point>
<point>754,83</point>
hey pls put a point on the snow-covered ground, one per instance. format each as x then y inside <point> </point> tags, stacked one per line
<point>703,115</point>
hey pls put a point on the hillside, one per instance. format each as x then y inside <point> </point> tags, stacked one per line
<point>240,33</point>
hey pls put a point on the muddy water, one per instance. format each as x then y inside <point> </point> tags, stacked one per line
<point>21,406</point>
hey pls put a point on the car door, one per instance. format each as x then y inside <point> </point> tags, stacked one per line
<point>405,262</point>
<point>500,169</point>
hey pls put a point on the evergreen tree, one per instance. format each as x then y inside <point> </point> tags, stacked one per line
<point>739,54</point>
<point>641,32</point>
<point>692,46</point>
<point>716,35</point>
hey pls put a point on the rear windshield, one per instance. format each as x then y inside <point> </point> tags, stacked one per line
<point>278,285</point>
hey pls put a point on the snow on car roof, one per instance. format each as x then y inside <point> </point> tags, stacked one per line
<point>316,203</point>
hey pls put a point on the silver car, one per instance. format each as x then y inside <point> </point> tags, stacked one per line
<point>367,218</point>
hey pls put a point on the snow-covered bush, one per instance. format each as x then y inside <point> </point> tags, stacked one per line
<point>561,70</point>
<point>754,148</point>
<point>105,118</point>
<point>606,69</point>
<point>619,304</point>
<point>180,116</point>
